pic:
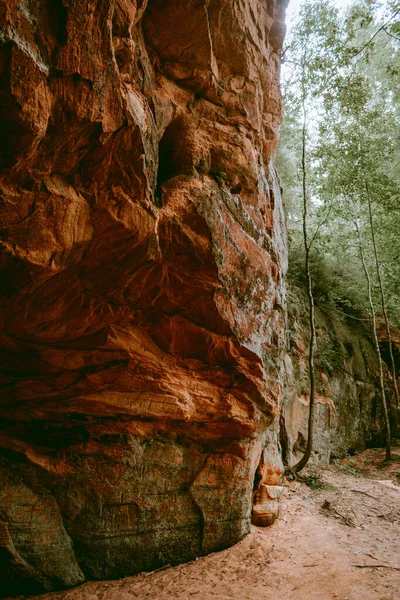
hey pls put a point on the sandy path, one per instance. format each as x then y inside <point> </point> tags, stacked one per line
<point>310,553</point>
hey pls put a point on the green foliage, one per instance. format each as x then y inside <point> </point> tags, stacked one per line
<point>313,480</point>
<point>347,69</point>
<point>335,282</point>
<point>350,470</point>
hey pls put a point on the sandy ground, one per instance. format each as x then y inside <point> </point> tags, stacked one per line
<point>339,539</point>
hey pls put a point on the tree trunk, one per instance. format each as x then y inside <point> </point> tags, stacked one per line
<point>383,298</point>
<point>305,458</point>
<point>377,348</point>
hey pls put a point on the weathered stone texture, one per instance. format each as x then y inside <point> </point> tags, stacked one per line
<point>348,409</point>
<point>142,251</point>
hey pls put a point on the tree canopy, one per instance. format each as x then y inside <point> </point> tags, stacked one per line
<point>346,68</point>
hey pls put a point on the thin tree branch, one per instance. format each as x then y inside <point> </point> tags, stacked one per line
<point>376,33</point>
<point>350,316</point>
<point>321,224</point>
<point>291,62</point>
<point>391,35</point>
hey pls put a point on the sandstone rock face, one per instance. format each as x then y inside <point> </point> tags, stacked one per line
<point>266,505</point>
<point>142,252</point>
<point>348,410</point>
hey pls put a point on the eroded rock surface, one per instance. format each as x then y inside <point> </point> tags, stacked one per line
<point>142,255</point>
<point>348,409</point>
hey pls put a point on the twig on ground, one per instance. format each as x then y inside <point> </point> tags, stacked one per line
<point>326,505</point>
<point>373,497</point>
<point>157,570</point>
<point>365,494</point>
<point>377,567</point>
<point>374,557</point>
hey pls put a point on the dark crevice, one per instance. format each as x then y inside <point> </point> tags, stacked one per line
<point>51,18</point>
<point>16,135</point>
<point>57,20</point>
<point>384,346</point>
<point>258,474</point>
<point>15,577</point>
<point>284,441</point>
<point>174,156</point>
<point>272,199</point>
<point>236,189</point>
<point>257,479</point>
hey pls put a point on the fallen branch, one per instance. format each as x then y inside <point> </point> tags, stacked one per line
<point>157,570</point>
<point>326,505</point>
<point>372,556</point>
<point>373,497</point>
<point>376,567</point>
<point>365,494</point>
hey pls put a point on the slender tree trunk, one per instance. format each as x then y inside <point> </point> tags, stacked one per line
<point>383,297</point>
<point>305,458</point>
<point>377,348</point>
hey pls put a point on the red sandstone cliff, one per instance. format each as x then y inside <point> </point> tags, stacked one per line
<point>142,254</point>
